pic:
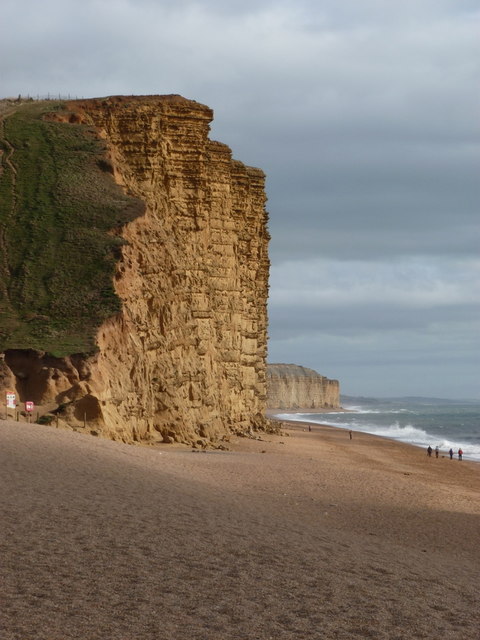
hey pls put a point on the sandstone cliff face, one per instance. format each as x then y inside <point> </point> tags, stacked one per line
<point>293,387</point>
<point>185,358</point>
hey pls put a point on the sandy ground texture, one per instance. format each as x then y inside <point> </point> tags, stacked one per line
<point>307,535</point>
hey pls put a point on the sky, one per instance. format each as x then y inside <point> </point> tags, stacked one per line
<point>365,117</point>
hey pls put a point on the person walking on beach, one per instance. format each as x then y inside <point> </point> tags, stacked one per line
<point>350,434</point>
<point>460,454</point>
<point>451,453</point>
<point>429,451</point>
<point>436,451</point>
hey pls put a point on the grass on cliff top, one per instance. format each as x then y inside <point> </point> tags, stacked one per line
<point>58,203</point>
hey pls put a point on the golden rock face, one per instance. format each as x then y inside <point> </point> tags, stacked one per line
<point>185,358</point>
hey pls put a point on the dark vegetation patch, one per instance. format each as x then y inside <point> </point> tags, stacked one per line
<point>58,207</point>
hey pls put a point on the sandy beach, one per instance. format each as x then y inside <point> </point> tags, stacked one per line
<point>307,535</point>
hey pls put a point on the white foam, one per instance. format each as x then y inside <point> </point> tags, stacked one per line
<point>362,410</point>
<point>395,431</point>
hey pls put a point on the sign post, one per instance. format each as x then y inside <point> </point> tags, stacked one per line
<point>29,407</point>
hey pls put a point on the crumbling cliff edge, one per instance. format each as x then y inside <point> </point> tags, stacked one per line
<point>184,357</point>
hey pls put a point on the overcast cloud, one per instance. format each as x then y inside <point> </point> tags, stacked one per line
<point>364,114</point>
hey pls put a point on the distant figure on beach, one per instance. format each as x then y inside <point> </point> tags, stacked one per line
<point>460,454</point>
<point>309,427</point>
<point>436,451</point>
<point>350,434</point>
<point>429,451</point>
<point>451,453</point>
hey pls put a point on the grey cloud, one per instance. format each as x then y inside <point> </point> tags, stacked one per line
<point>363,114</point>
<point>346,241</point>
<point>403,363</point>
<point>366,320</point>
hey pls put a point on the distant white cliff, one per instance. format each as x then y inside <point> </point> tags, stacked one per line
<point>290,386</point>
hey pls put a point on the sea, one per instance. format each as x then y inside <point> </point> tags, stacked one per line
<point>418,421</point>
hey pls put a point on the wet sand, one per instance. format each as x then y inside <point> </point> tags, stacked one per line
<point>302,536</point>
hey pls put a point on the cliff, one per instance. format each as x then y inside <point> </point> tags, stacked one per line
<point>293,387</point>
<point>182,357</point>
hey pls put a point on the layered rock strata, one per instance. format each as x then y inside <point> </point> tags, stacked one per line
<point>184,360</point>
<point>290,386</point>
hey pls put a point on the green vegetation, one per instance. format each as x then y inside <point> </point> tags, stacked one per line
<point>58,207</point>
<point>46,419</point>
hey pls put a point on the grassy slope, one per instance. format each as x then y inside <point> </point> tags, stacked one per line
<point>57,204</point>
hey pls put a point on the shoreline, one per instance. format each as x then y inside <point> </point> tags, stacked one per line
<point>376,440</point>
<point>274,416</point>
